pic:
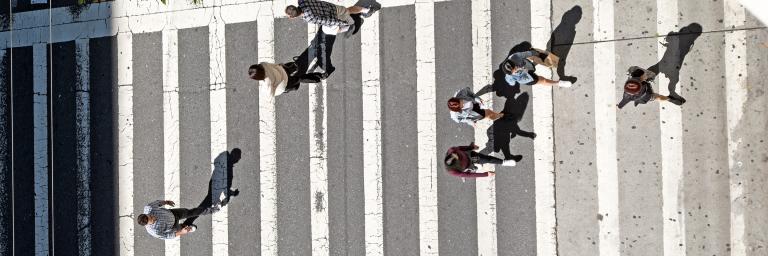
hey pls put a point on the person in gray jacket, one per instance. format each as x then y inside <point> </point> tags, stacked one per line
<point>638,89</point>
<point>467,108</point>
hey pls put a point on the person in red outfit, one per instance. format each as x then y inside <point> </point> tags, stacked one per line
<point>460,161</point>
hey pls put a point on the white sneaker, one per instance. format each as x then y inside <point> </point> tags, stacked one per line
<point>509,163</point>
<point>564,84</point>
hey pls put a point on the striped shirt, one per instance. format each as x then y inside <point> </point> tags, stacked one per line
<point>320,13</point>
<point>165,226</point>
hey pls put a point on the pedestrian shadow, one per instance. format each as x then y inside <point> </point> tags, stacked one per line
<point>499,84</point>
<point>678,45</point>
<point>317,54</point>
<point>220,185</point>
<point>561,40</point>
<point>502,131</point>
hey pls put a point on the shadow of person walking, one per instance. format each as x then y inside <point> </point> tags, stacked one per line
<point>220,185</point>
<point>317,54</point>
<point>561,40</point>
<point>678,45</point>
<point>504,129</point>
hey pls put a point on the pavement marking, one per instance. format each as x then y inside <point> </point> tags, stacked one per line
<point>125,142</point>
<point>267,139</point>
<point>133,17</point>
<point>671,133</point>
<point>318,161</point>
<point>426,127</point>
<point>40,111</point>
<point>171,164</point>
<point>83,120</point>
<point>736,93</point>
<point>605,128</point>
<point>372,159</point>
<point>482,69</point>
<point>218,112</point>
<point>543,145</point>
<point>6,232</point>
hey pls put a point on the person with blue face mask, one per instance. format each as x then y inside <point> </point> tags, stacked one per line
<point>520,69</point>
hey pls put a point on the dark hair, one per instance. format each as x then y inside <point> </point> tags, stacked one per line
<point>256,72</point>
<point>292,11</point>
<point>142,219</point>
<point>453,108</point>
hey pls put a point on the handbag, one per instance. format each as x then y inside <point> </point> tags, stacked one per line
<point>551,60</point>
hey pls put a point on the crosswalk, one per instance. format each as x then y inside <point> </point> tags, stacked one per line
<point>102,117</point>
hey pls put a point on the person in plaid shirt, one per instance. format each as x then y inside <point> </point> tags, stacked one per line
<point>164,223</point>
<point>328,14</point>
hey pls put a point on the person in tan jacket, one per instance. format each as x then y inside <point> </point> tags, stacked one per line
<point>282,78</point>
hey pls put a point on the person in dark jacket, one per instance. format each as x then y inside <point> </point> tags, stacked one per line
<point>638,89</point>
<point>460,161</point>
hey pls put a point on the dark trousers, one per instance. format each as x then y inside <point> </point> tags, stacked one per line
<point>484,159</point>
<point>184,213</point>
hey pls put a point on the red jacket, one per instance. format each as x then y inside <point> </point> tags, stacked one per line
<point>464,163</point>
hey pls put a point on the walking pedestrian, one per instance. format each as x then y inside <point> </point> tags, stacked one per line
<point>467,108</point>
<point>282,78</point>
<point>460,161</point>
<point>520,69</point>
<point>638,89</point>
<point>328,14</point>
<point>163,223</point>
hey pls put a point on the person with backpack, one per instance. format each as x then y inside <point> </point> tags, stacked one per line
<point>460,161</point>
<point>520,67</point>
<point>638,89</point>
<point>467,108</point>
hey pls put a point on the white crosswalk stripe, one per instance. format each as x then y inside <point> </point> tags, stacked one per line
<point>681,228</point>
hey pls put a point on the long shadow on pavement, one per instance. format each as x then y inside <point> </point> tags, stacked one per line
<point>678,45</point>
<point>561,40</point>
<point>220,186</point>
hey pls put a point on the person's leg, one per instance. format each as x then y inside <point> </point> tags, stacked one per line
<point>548,82</point>
<point>357,9</point>
<point>486,159</point>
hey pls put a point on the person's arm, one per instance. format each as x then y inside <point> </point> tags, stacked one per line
<point>157,203</point>
<point>456,173</point>
<point>525,54</point>
<point>624,101</point>
<point>171,234</point>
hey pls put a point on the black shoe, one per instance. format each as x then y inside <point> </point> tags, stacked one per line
<point>234,192</point>
<point>358,23</point>
<point>517,158</point>
<point>677,100</point>
<point>371,10</point>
